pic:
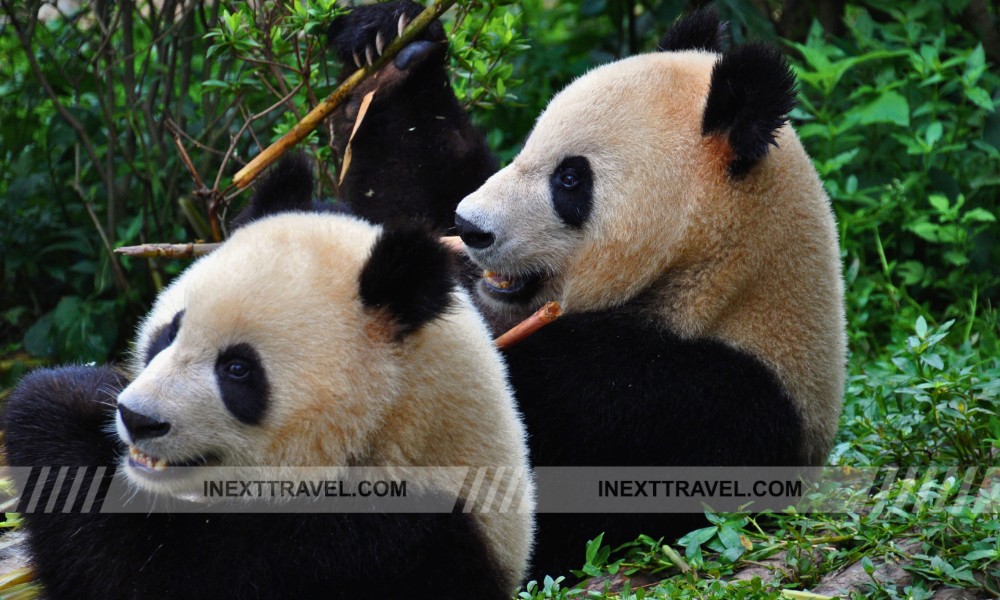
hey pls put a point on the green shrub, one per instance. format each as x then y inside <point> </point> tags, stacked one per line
<point>929,404</point>
<point>900,121</point>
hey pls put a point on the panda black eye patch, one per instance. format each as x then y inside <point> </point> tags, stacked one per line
<point>242,381</point>
<point>572,187</point>
<point>164,336</point>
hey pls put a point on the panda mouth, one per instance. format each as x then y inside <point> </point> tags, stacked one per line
<point>149,464</point>
<point>511,288</point>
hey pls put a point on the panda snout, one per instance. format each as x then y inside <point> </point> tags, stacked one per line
<point>140,426</point>
<point>472,235</point>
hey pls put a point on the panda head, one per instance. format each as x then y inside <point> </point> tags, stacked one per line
<point>627,172</point>
<point>282,348</point>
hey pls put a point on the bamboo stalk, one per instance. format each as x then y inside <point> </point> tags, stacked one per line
<point>190,250</point>
<point>311,121</point>
<point>196,249</point>
<point>518,333</point>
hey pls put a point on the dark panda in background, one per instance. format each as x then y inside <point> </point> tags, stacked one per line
<point>305,340</point>
<point>416,154</point>
<point>666,203</point>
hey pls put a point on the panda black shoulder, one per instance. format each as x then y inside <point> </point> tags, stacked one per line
<point>660,377</point>
<point>613,389</point>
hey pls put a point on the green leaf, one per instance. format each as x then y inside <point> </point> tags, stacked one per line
<point>956,258</point>
<point>978,215</point>
<point>921,327</point>
<point>933,360</point>
<point>38,338</point>
<point>890,107</point>
<point>732,554</point>
<point>964,575</point>
<point>67,312</point>
<point>933,133</point>
<point>593,546</point>
<point>926,230</point>
<point>911,271</point>
<point>975,65</point>
<point>730,537</point>
<point>980,97</point>
<point>699,536</point>
<point>867,565</point>
<point>939,202</point>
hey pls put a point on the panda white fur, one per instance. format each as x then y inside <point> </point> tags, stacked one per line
<point>665,202</point>
<point>305,340</point>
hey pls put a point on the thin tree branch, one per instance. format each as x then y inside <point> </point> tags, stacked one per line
<point>77,126</point>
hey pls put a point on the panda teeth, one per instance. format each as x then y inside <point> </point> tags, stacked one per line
<point>144,460</point>
<point>496,280</point>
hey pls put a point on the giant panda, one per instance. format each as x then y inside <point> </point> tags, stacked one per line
<point>305,340</point>
<point>665,202</point>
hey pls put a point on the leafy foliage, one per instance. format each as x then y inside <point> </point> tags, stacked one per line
<point>906,138</point>
<point>897,109</point>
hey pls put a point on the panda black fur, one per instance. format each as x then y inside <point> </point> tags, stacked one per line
<point>305,340</point>
<point>663,200</point>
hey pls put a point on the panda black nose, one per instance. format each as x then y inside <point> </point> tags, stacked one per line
<point>141,427</point>
<point>473,236</point>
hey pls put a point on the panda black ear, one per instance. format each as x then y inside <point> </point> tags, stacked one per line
<point>409,274</point>
<point>285,187</point>
<point>701,30</point>
<point>751,94</point>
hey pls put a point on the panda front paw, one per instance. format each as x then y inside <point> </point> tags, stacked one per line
<point>63,417</point>
<point>361,36</point>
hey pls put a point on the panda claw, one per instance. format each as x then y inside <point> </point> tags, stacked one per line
<point>368,55</point>
<point>357,60</point>
<point>403,22</point>
<point>379,43</point>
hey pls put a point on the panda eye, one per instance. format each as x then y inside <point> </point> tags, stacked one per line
<point>568,178</point>
<point>571,185</point>
<point>236,369</point>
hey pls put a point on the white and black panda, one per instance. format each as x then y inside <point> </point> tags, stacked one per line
<point>665,202</point>
<point>304,340</point>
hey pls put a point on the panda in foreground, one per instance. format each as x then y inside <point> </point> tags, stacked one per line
<point>305,340</point>
<point>666,203</point>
